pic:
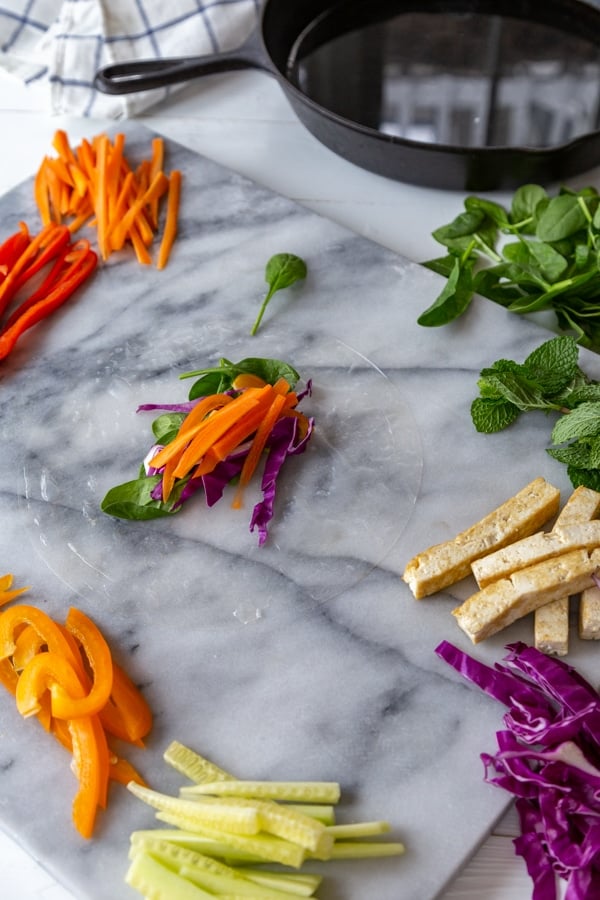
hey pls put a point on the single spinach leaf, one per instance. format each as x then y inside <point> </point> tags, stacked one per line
<point>166,426</point>
<point>464,225</point>
<point>281,271</point>
<point>442,265</point>
<point>562,217</point>
<point>525,202</point>
<point>490,209</point>
<point>455,297</point>
<point>132,500</point>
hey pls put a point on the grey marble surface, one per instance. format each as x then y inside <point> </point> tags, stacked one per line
<point>307,658</point>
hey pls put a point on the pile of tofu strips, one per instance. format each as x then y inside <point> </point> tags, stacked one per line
<point>520,569</point>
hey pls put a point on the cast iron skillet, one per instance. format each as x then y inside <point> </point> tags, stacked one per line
<point>290,30</point>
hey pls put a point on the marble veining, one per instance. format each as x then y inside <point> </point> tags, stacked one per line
<point>307,658</point>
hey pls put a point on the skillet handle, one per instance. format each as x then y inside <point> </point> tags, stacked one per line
<point>146,74</point>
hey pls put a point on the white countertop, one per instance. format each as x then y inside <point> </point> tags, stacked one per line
<point>243,121</point>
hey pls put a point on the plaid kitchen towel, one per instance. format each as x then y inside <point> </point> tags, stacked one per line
<point>63,43</point>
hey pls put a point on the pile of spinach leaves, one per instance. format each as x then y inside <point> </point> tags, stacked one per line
<point>542,253</point>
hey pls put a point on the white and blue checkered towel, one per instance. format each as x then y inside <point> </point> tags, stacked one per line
<point>62,43</point>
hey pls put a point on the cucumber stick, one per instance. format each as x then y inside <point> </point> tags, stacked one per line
<point>297,791</point>
<point>157,882</point>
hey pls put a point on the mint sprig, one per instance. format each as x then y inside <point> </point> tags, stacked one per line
<point>549,379</point>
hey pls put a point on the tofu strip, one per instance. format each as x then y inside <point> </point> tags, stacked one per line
<point>503,602</point>
<point>589,614</point>
<point>445,564</point>
<point>534,549</point>
<point>551,627</point>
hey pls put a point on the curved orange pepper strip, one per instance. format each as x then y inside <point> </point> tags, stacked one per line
<point>126,715</point>
<point>45,672</point>
<point>67,705</point>
<point>14,617</point>
<point>8,675</point>
<point>123,772</point>
<point>27,643</point>
<point>91,764</point>
<point>6,595</point>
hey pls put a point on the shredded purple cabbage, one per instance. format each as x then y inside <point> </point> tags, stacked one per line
<point>548,758</point>
<point>185,407</point>
<point>283,442</point>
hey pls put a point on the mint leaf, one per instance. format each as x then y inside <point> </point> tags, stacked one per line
<point>517,388</point>
<point>554,363</point>
<point>583,421</point>
<point>589,478</point>
<point>490,415</point>
<point>576,454</point>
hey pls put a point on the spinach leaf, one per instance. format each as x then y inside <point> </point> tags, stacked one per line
<point>281,271</point>
<point>525,203</point>
<point>132,500</point>
<point>553,265</point>
<point>455,297</point>
<point>220,378</point>
<point>166,426</point>
<point>562,217</point>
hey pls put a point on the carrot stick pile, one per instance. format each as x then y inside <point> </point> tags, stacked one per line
<point>65,676</point>
<point>94,184</point>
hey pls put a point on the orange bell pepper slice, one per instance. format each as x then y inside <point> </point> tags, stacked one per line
<point>91,765</point>
<point>13,618</point>
<point>127,715</point>
<point>6,595</point>
<point>66,705</point>
<point>47,671</point>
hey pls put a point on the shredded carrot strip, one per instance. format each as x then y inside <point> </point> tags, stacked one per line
<point>170,230</point>
<point>41,195</point>
<point>61,144</point>
<point>101,198</point>
<point>156,166</point>
<point>258,445</point>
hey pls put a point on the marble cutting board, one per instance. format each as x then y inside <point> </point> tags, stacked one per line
<point>307,658</point>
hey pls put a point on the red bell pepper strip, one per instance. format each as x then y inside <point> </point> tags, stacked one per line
<point>58,239</point>
<point>12,248</point>
<point>82,263</point>
<point>52,236</point>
